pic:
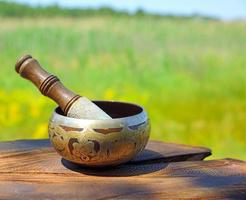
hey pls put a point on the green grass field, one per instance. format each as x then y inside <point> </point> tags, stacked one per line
<point>189,74</point>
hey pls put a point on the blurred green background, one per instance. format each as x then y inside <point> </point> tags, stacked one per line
<point>188,72</point>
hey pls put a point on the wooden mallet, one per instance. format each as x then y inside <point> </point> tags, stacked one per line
<point>73,105</point>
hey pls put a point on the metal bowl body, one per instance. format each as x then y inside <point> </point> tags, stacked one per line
<point>101,142</point>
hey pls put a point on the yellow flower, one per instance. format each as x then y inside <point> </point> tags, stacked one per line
<point>41,131</point>
<point>109,94</point>
<point>3,112</point>
<point>14,113</point>
<point>34,109</point>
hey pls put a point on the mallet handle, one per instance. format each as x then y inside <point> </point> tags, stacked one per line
<point>49,85</point>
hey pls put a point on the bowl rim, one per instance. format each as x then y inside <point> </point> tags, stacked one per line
<point>130,120</point>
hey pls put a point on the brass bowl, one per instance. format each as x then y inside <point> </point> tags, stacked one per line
<point>101,142</point>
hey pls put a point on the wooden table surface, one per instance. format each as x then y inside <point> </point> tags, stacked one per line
<point>31,169</point>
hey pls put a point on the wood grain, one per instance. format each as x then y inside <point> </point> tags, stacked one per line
<point>32,170</point>
<point>223,179</point>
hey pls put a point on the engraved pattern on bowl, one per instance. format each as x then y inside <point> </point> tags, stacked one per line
<point>100,142</point>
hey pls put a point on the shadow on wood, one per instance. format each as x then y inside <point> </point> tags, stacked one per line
<point>128,169</point>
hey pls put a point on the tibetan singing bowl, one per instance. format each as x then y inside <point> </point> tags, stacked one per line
<point>101,142</point>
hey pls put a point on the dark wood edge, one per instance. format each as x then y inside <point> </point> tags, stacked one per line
<point>185,145</point>
<point>177,158</point>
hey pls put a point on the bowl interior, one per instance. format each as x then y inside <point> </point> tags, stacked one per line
<point>115,109</point>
